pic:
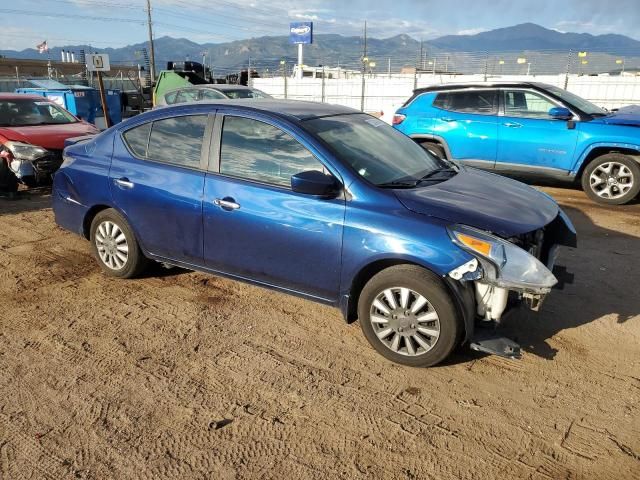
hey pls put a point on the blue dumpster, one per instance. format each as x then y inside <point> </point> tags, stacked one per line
<point>83,102</point>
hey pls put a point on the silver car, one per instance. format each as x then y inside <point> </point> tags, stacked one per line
<point>199,93</point>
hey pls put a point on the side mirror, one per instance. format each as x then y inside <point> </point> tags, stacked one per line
<point>313,182</point>
<point>560,113</point>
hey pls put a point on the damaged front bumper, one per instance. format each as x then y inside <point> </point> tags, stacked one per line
<point>505,273</point>
<point>37,171</point>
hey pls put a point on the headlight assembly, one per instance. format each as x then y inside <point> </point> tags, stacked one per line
<point>24,151</point>
<point>505,264</point>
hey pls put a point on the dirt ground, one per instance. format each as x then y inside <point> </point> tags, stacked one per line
<point>187,376</point>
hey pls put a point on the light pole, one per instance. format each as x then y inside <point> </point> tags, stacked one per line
<point>283,66</point>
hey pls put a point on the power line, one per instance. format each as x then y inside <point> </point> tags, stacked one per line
<point>72,16</point>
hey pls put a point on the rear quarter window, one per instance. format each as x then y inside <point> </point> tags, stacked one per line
<point>137,139</point>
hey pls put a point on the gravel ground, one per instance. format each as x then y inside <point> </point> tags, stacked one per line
<point>188,376</point>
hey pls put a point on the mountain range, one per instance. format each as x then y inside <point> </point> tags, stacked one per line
<point>332,49</point>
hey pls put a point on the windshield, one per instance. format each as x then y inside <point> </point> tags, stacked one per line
<point>245,93</point>
<point>375,150</point>
<point>578,102</point>
<point>26,112</point>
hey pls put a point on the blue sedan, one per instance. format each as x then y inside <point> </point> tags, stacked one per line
<point>319,201</point>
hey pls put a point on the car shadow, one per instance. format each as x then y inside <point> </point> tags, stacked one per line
<point>603,266</point>
<point>158,270</point>
<point>27,200</point>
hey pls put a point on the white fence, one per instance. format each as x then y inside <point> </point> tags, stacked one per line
<point>387,93</point>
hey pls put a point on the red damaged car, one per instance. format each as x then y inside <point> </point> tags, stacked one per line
<point>32,134</point>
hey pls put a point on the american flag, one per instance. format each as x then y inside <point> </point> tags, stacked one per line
<point>42,47</point>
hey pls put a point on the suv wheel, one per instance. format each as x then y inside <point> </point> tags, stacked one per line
<point>115,246</point>
<point>612,179</point>
<point>408,316</point>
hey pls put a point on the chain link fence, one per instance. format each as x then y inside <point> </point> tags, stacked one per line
<point>380,84</point>
<point>379,93</point>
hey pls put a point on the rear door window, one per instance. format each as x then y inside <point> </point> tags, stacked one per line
<point>257,151</point>
<point>483,102</point>
<point>178,140</point>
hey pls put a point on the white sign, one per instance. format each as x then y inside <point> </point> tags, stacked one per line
<point>98,62</point>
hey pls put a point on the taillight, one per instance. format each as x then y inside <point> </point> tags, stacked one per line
<point>398,118</point>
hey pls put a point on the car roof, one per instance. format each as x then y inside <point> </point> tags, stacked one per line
<point>463,85</point>
<point>293,109</point>
<point>22,96</point>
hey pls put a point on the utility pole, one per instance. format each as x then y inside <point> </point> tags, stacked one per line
<point>151,50</point>
<point>364,66</point>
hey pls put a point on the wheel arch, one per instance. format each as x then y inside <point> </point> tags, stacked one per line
<point>88,219</point>
<point>436,139</point>
<point>95,210</point>
<point>462,294</point>
<point>595,151</point>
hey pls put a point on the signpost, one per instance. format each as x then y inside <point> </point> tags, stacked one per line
<point>300,33</point>
<point>99,62</point>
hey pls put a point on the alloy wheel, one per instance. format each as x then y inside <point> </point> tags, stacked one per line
<point>404,321</point>
<point>611,180</point>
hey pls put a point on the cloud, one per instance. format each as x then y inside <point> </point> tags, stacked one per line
<point>19,38</point>
<point>471,31</point>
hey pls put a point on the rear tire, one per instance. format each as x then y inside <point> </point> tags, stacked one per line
<point>434,149</point>
<point>423,328</point>
<point>115,246</point>
<point>612,179</point>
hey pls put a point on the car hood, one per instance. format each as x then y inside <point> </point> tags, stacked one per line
<point>483,200</point>
<point>47,136</point>
<point>625,116</point>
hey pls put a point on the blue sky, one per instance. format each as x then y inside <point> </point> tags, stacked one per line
<point>113,23</point>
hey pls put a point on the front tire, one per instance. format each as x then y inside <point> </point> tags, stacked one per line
<point>612,179</point>
<point>408,316</point>
<point>115,246</point>
<point>8,180</point>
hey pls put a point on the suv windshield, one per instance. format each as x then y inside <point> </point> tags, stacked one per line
<point>578,102</point>
<point>26,112</point>
<point>378,152</point>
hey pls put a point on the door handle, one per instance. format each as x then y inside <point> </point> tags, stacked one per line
<point>124,183</point>
<point>226,203</point>
<point>448,119</point>
<point>512,124</point>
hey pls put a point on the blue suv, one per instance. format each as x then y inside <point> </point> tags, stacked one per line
<point>531,129</point>
<point>322,202</point>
